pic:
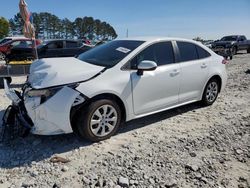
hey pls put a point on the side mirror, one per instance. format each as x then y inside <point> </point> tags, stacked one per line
<point>146,66</point>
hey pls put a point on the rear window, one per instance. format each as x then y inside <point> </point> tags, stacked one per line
<point>188,51</point>
<point>202,53</point>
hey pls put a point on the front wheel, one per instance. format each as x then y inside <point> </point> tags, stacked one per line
<point>211,92</point>
<point>99,121</point>
<point>234,50</point>
<point>2,56</point>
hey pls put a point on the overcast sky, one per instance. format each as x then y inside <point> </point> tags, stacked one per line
<point>209,19</point>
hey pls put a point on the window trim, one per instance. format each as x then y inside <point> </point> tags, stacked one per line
<point>126,67</point>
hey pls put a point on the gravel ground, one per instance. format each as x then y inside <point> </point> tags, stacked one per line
<point>189,146</point>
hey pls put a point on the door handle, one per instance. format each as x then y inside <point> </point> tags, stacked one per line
<point>203,66</point>
<point>175,72</point>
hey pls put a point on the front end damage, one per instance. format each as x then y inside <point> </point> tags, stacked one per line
<point>42,112</point>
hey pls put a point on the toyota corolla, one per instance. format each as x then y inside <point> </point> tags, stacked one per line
<point>92,95</point>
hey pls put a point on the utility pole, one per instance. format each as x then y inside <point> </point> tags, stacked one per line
<point>127,33</point>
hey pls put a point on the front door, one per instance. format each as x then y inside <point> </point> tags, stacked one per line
<point>158,89</point>
<point>54,49</point>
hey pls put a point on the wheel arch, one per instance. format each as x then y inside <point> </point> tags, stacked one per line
<point>217,77</point>
<point>76,110</point>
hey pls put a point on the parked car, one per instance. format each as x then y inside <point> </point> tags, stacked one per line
<point>6,47</point>
<point>230,45</point>
<point>7,39</point>
<point>48,49</point>
<point>117,82</point>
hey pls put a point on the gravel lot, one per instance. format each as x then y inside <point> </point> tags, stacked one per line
<point>189,146</point>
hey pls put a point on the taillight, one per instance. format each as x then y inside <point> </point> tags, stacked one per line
<point>224,61</point>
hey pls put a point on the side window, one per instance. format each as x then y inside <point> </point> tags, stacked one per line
<point>242,38</point>
<point>55,45</point>
<point>202,53</point>
<point>187,51</point>
<point>71,44</point>
<point>161,53</point>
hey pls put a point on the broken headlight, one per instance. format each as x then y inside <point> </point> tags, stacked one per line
<point>46,94</point>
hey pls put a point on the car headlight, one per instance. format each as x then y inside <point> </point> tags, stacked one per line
<point>47,93</point>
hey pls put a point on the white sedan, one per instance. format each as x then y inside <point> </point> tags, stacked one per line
<point>117,82</point>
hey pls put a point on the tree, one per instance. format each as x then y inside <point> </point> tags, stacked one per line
<point>49,26</point>
<point>4,27</point>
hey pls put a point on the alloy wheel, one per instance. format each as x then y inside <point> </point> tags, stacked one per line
<point>103,120</point>
<point>212,92</point>
<point>2,56</point>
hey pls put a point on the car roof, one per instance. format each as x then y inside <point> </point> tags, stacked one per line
<point>152,39</point>
<point>53,40</point>
<point>16,37</point>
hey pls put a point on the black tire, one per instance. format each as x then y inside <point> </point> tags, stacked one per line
<point>234,50</point>
<point>2,56</point>
<point>9,79</point>
<point>231,57</point>
<point>248,50</point>
<point>1,83</point>
<point>84,119</point>
<point>205,98</point>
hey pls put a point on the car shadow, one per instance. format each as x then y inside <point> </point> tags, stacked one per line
<point>24,151</point>
<point>145,121</point>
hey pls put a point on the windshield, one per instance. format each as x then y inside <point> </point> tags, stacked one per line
<point>109,54</point>
<point>229,38</point>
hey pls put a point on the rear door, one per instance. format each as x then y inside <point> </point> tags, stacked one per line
<point>158,89</point>
<point>194,63</point>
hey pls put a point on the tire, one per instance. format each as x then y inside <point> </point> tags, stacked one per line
<point>9,79</point>
<point>248,50</point>
<point>211,92</point>
<point>231,57</point>
<point>234,50</point>
<point>101,128</point>
<point>2,56</point>
<point>1,83</point>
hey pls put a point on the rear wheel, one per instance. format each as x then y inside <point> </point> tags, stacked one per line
<point>99,121</point>
<point>211,92</point>
<point>248,50</point>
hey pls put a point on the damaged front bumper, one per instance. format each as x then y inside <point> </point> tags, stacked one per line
<point>16,121</point>
<point>45,117</point>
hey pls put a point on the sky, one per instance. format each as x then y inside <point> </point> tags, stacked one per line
<point>208,19</point>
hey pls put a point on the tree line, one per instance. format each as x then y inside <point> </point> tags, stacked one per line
<point>49,26</point>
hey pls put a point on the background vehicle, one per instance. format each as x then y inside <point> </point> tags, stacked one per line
<point>51,48</point>
<point>230,45</point>
<point>119,81</point>
<point>5,48</point>
<point>7,39</point>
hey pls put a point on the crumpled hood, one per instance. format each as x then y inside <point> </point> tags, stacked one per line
<point>51,72</point>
